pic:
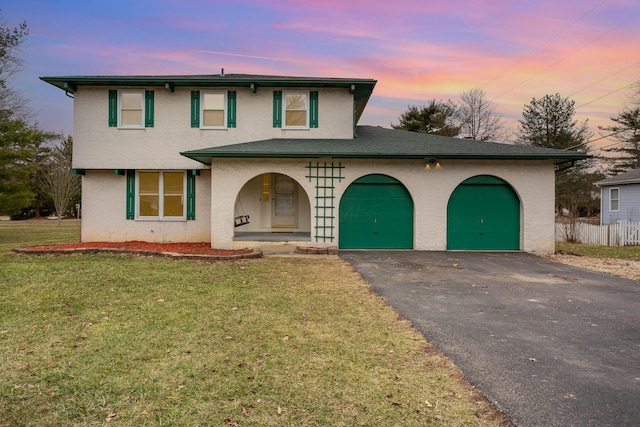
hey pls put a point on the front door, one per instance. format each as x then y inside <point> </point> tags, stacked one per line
<point>284,202</point>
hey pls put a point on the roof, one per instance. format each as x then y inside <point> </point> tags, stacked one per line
<point>631,177</point>
<point>373,142</point>
<point>361,88</point>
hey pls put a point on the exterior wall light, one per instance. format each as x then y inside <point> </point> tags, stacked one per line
<point>432,163</point>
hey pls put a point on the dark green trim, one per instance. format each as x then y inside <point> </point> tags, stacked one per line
<point>313,109</point>
<point>231,109</point>
<point>277,108</point>
<point>79,171</point>
<point>148,108</point>
<point>191,195</point>
<point>120,172</point>
<point>113,108</point>
<point>195,108</point>
<point>131,194</point>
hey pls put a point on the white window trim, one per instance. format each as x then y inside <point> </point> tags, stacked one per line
<point>225,105</point>
<point>142,100</point>
<point>161,198</point>
<point>284,108</point>
<point>611,199</point>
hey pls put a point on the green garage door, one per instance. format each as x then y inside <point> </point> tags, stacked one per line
<point>376,212</point>
<point>483,214</point>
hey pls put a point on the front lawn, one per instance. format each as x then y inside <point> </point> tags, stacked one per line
<point>138,341</point>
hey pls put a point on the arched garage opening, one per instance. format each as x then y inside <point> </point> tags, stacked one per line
<point>376,212</point>
<point>483,213</point>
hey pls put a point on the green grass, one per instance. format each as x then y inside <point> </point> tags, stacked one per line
<point>627,252</point>
<point>138,341</point>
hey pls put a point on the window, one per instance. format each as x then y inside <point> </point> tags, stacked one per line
<point>213,110</point>
<point>132,108</point>
<point>295,109</point>
<point>614,199</point>
<point>161,195</point>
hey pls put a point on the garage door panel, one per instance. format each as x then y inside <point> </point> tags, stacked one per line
<point>483,215</point>
<point>376,213</point>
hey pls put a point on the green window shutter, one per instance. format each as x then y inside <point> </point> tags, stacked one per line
<point>148,108</point>
<point>231,109</point>
<point>277,108</point>
<point>113,108</point>
<point>195,108</point>
<point>313,109</point>
<point>131,194</point>
<point>191,195</point>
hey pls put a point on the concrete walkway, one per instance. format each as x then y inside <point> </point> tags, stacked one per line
<point>549,344</point>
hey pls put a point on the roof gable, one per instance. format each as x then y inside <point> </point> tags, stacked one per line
<point>376,142</point>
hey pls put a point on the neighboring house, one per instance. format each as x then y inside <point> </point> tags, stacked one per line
<point>238,160</point>
<point>620,197</point>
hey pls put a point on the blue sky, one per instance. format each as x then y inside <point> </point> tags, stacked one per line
<point>587,50</point>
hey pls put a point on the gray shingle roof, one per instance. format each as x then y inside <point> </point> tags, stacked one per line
<point>373,142</point>
<point>630,177</point>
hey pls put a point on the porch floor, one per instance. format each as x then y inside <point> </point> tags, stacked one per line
<point>257,236</point>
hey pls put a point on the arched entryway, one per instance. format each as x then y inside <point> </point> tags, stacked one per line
<point>272,207</point>
<point>483,213</point>
<point>376,212</point>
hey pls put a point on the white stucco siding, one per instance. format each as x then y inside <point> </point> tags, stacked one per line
<point>98,146</point>
<point>104,213</point>
<point>533,181</point>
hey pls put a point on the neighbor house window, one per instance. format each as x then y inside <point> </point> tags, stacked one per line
<point>213,109</point>
<point>295,109</point>
<point>161,195</point>
<point>131,108</point>
<point>614,199</point>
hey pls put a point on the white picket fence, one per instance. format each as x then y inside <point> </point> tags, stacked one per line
<point>622,233</point>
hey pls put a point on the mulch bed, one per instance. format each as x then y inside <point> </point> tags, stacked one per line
<point>199,251</point>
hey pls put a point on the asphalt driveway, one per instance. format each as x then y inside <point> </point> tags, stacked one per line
<point>549,344</point>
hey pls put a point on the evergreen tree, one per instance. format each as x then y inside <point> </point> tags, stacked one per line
<point>549,122</point>
<point>627,131</point>
<point>436,118</point>
<point>21,144</point>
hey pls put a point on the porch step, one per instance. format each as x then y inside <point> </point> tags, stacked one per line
<point>310,250</point>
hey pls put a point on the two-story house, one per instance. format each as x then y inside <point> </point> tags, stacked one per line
<point>239,160</point>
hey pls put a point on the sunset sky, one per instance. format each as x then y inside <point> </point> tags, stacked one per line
<point>588,50</point>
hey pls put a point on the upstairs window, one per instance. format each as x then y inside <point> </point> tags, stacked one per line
<point>614,199</point>
<point>213,109</point>
<point>131,108</point>
<point>295,109</point>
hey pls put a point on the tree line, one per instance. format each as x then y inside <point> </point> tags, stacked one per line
<point>546,122</point>
<point>35,165</point>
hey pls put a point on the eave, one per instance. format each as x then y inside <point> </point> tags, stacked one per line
<point>360,88</point>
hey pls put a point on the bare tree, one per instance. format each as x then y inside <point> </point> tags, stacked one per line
<point>478,117</point>
<point>56,177</point>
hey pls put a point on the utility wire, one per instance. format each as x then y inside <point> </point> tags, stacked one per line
<point>537,48</point>
<point>609,93</point>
